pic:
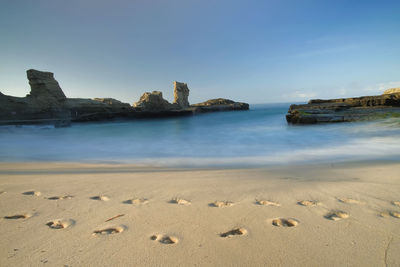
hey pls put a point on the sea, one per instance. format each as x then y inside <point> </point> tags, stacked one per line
<point>254,138</point>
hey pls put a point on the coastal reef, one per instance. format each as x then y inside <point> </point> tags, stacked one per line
<point>47,103</point>
<point>347,109</point>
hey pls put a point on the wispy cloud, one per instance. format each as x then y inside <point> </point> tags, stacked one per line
<point>343,91</point>
<point>330,39</point>
<point>381,87</point>
<point>355,89</point>
<point>299,95</point>
<point>324,51</point>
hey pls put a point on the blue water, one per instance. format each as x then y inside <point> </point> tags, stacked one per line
<point>256,137</point>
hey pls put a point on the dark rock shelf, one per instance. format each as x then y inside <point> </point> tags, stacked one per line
<point>345,109</point>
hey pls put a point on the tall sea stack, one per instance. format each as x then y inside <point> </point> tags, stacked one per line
<point>181,94</point>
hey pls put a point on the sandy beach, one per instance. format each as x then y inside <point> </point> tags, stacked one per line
<point>199,133</point>
<point>64,214</point>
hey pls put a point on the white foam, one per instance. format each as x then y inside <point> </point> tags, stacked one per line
<point>363,149</point>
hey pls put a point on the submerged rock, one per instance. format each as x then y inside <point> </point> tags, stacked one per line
<point>181,95</point>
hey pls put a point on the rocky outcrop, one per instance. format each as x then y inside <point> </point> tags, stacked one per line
<point>181,95</point>
<point>112,102</point>
<point>93,110</point>
<point>392,91</point>
<point>153,101</point>
<point>43,85</point>
<point>345,109</point>
<point>47,103</point>
<point>15,108</point>
<point>220,104</point>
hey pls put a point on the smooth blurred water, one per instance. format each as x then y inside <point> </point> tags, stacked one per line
<point>256,137</point>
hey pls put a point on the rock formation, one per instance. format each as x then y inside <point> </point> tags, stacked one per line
<point>345,109</point>
<point>47,103</point>
<point>181,94</point>
<point>216,101</point>
<point>82,109</point>
<point>392,91</point>
<point>220,104</point>
<point>153,101</point>
<point>43,84</point>
<point>112,102</point>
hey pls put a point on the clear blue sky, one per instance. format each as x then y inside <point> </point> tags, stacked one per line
<point>253,51</point>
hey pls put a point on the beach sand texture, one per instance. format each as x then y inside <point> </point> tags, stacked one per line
<point>64,214</point>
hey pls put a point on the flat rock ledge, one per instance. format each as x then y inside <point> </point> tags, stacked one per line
<point>345,109</point>
<point>219,104</point>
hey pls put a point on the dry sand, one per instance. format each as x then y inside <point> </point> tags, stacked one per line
<point>121,215</point>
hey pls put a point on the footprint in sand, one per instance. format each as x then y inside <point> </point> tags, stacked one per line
<point>350,201</point>
<point>32,193</point>
<point>180,201</point>
<point>387,214</point>
<point>395,214</point>
<point>285,222</point>
<point>108,231</point>
<point>101,197</point>
<point>137,201</point>
<point>337,215</point>
<point>60,197</point>
<point>234,232</point>
<point>267,203</point>
<point>18,216</point>
<point>59,224</point>
<point>396,203</point>
<point>384,214</point>
<point>165,239</point>
<point>2,192</point>
<point>221,204</point>
<point>309,203</point>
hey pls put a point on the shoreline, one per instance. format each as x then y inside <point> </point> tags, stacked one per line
<point>204,217</point>
<point>221,140</point>
<point>16,167</point>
